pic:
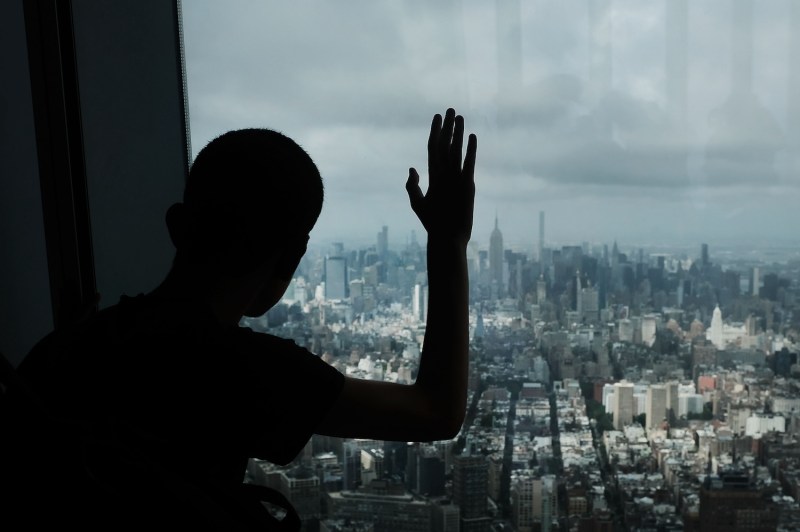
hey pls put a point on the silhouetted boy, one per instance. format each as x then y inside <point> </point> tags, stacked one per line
<point>172,397</point>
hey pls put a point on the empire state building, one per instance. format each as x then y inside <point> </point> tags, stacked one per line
<point>496,258</point>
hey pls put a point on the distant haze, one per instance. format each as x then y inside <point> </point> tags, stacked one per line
<point>666,121</point>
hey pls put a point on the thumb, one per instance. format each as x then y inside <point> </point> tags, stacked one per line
<point>415,195</point>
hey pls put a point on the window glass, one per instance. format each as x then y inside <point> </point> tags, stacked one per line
<point>641,121</point>
<point>634,250</point>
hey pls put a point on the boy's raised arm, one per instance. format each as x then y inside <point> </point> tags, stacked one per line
<point>434,406</point>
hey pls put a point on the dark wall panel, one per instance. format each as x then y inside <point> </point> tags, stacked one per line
<point>25,310</point>
<point>129,73</point>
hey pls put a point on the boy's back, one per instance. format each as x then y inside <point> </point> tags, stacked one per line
<point>163,384</point>
<point>169,397</point>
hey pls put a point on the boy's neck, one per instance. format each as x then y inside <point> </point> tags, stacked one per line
<point>222,297</point>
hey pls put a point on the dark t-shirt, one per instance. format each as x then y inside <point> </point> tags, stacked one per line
<point>165,379</point>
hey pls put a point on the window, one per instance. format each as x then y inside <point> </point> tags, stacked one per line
<point>638,168</point>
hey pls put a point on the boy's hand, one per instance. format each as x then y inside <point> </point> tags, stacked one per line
<point>445,210</point>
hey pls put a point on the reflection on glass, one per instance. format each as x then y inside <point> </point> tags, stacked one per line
<point>661,143</point>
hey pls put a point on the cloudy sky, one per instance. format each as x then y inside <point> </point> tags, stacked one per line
<point>643,122</point>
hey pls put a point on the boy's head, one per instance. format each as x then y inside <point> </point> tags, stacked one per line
<point>252,195</point>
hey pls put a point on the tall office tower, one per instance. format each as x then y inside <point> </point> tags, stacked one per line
<point>541,290</point>
<point>372,464</point>
<point>300,294</point>
<point>751,325</point>
<point>655,408</point>
<point>578,296</point>
<point>771,286</point>
<point>649,326</point>
<point>335,277</point>
<point>425,470</point>
<point>672,401</point>
<point>590,304</point>
<point>301,486</point>
<point>446,517</point>
<point>545,501</point>
<point>623,404</point>
<point>419,304</point>
<point>496,258</point>
<point>715,331</point>
<point>383,242</point>
<point>625,330</point>
<point>540,255</point>
<point>412,452</point>
<point>704,260</point>
<point>394,458</point>
<point>356,289</point>
<point>755,281</point>
<point>522,499</point>
<point>470,491</point>
<point>351,465</point>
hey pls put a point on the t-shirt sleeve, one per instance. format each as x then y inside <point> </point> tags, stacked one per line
<point>291,390</point>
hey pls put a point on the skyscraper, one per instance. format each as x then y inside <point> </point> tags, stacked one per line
<point>655,405</point>
<point>541,290</point>
<point>649,326</point>
<point>755,281</point>
<point>419,305</point>
<point>351,465</point>
<point>590,304</point>
<point>545,501</point>
<point>383,242</point>
<point>496,257</point>
<point>623,404</point>
<point>672,400</point>
<point>470,490</point>
<point>335,277</point>
<point>302,487</point>
<point>715,332</point>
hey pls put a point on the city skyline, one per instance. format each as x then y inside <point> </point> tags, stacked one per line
<point>733,248</point>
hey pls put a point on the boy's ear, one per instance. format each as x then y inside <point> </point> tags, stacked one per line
<point>177,224</point>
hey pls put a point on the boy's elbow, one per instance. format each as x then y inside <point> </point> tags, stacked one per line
<point>453,427</point>
<point>447,426</point>
<point>440,416</point>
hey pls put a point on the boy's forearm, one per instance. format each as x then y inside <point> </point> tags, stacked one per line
<point>445,353</point>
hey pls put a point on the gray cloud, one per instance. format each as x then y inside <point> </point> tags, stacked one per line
<point>356,84</point>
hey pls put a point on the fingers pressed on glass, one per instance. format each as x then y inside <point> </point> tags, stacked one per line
<point>455,147</point>
<point>469,160</point>
<point>446,136</point>
<point>433,142</point>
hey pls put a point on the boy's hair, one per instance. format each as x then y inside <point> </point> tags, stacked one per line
<point>249,191</point>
